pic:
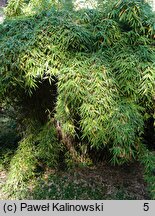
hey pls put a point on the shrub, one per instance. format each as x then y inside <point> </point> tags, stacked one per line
<point>39,149</point>
<point>22,168</point>
<point>147,158</point>
<point>102,73</point>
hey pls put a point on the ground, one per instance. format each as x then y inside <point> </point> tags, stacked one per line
<point>96,182</point>
<point>105,182</point>
<point>2,181</point>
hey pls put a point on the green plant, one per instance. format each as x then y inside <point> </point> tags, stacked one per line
<point>48,149</point>
<point>38,149</point>
<point>147,158</point>
<point>17,8</point>
<point>136,15</point>
<point>14,8</point>
<point>22,168</point>
<point>96,68</point>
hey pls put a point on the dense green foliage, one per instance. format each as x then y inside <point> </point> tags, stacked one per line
<point>35,152</point>
<point>91,70</point>
<point>148,160</point>
<point>29,7</point>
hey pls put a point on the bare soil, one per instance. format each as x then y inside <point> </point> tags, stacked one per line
<point>116,182</point>
<point>128,178</point>
<point>125,182</point>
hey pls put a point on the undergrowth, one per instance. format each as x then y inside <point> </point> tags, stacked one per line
<point>148,160</point>
<point>35,152</point>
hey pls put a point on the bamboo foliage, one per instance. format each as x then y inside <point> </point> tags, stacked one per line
<point>103,64</point>
<point>134,15</point>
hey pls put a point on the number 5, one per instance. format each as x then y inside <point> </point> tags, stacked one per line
<point>146,207</point>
